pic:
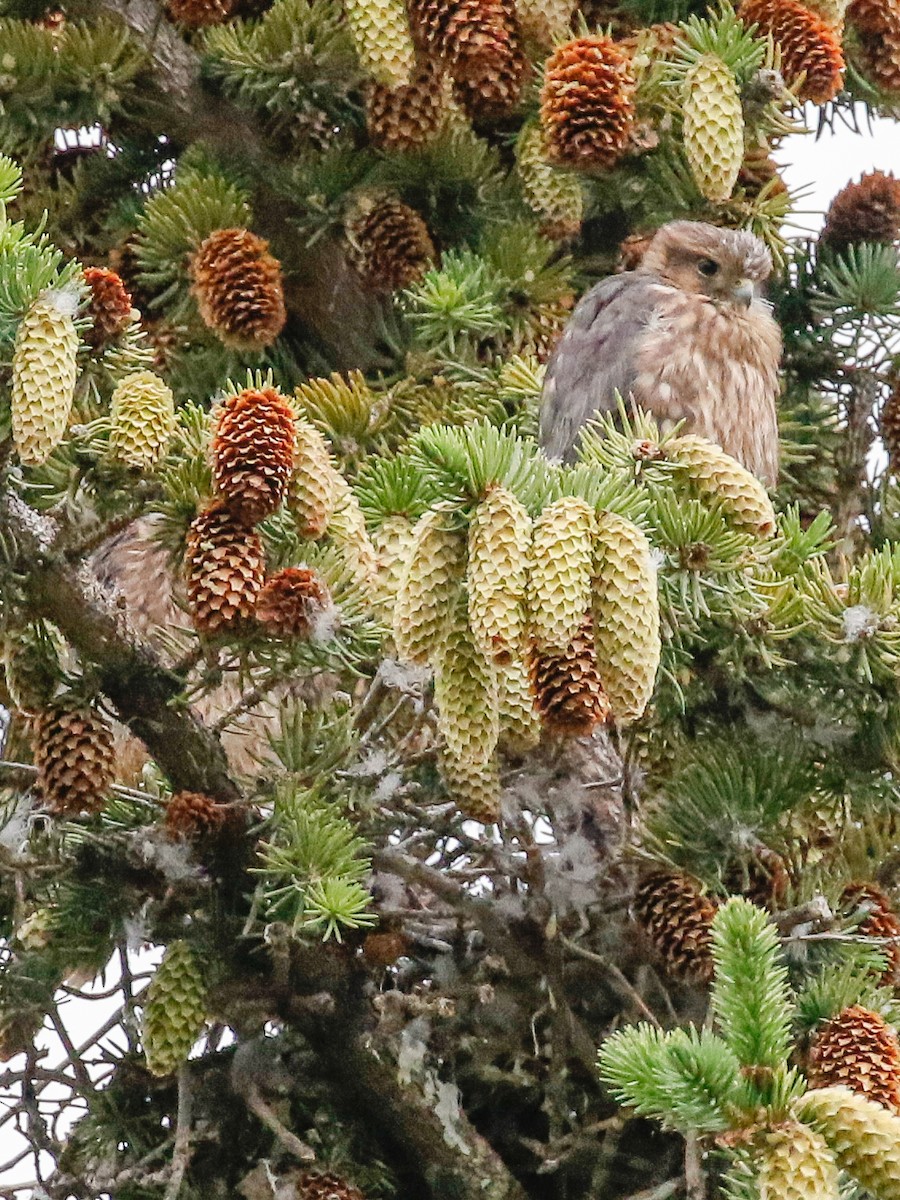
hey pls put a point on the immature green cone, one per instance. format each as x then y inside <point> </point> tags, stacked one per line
<point>392,542</point>
<point>863,1136</point>
<point>428,584</point>
<point>142,418</point>
<point>497,576</point>
<point>313,486</point>
<point>347,529</point>
<point>713,127</point>
<point>626,616</point>
<point>44,373</point>
<point>555,195</point>
<point>561,565</point>
<point>380,31</point>
<point>174,1010</point>
<point>520,724</point>
<point>544,20</point>
<point>796,1164</point>
<point>719,477</point>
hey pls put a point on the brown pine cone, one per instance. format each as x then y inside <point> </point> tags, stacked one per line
<point>567,687</point>
<point>391,247</point>
<point>880,921</point>
<point>587,104</point>
<point>195,816</point>
<point>868,16</point>
<point>889,423</point>
<point>315,1186</point>
<point>809,45</point>
<point>407,118</point>
<point>677,918</point>
<point>225,569</point>
<point>109,306</point>
<point>253,452</point>
<point>238,288</point>
<point>75,758</point>
<point>880,55</point>
<point>762,878</point>
<point>868,211</point>
<point>198,14</point>
<point>494,93</point>
<point>858,1050</point>
<point>295,603</point>
<point>470,36</point>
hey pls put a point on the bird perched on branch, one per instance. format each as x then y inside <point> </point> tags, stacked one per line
<point>686,336</point>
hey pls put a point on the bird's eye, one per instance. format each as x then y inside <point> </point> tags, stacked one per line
<point>706,266</point>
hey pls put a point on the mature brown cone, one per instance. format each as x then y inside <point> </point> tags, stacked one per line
<point>881,921</point>
<point>868,211</point>
<point>391,247</point>
<point>758,170</point>
<point>225,569</point>
<point>880,54</point>
<point>406,118</point>
<point>109,306</point>
<point>568,690</point>
<point>587,103</point>
<point>495,92</point>
<point>197,14</point>
<point>472,37</point>
<point>762,878</point>
<point>808,44</point>
<point>677,918</point>
<point>75,758</point>
<point>868,16</point>
<point>295,603</point>
<point>238,288</point>
<point>858,1050</point>
<point>889,423</point>
<point>314,1186</point>
<point>195,816</point>
<point>253,452</point>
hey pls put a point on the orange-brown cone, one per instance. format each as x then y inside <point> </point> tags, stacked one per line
<point>294,602</point>
<point>858,1050</point>
<point>224,568</point>
<point>253,452</point>
<point>567,687</point>
<point>880,921</point>
<point>109,306</point>
<point>496,91</point>
<point>868,211</point>
<point>808,44</point>
<point>677,918</point>
<point>470,36</point>
<point>195,816</point>
<point>877,24</point>
<point>75,758</point>
<point>315,1186</point>
<point>198,14</point>
<point>587,104</point>
<point>391,247</point>
<point>238,288</point>
<point>406,118</point>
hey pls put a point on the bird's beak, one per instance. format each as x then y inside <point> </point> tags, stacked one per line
<point>743,293</point>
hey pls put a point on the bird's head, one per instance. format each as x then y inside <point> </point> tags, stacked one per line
<point>727,265</point>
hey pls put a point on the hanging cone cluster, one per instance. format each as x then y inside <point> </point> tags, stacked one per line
<point>889,424</point>
<point>568,690</point>
<point>720,478</point>
<point>880,921</point>
<point>195,816</point>
<point>312,489</point>
<point>199,14</point>
<point>44,373</point>
<point>868,211</point>
<point>587,104</point>
<point>391,246</point>
<point>796,1164</point>
<point>544,21</point>
<point>863,1137</point>
<point>238,288</point>
<point>428,584</point>
<point>677,918</point>
<point>380,32</point>
<point>555,195</point>
<point>253,452</point>
<point>109,306</point>
<point>499,541</point>
<point>877,23</point>
<point>142,420</point>
<point>224,570</point>
<point>858,1050</point>
<point>174,1010</point>
<point>809,46</point>
<point>74,755</point>
<point>562,559</point>
<point>410,116</point>
<point>312,1185</point>
<point>295,603</point>
<point>713,127</point>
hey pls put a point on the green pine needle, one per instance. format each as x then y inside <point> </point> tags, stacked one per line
<point>467,461</point>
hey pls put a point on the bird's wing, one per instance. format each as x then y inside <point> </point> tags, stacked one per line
<point>595,357</point>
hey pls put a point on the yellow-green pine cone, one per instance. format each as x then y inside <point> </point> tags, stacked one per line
<point>719,477</point>
<point>864,1137</point>
<point>430,579</point>
<point>380,31</point>
<point>555,196</point>
<point>796,1164</point>
<point>544,20</point>
<point>44,372</point>
<point>559,586</point>
<point>313,486</point>
<point>392,542</point>
<point>497,575</point>
<point>174,1010</point>
<point>142,418</point>
<point>475,787</point>
<point>626,616</point>
<point>520,724</point>
<point>347,529</point>
<point>713,127</point>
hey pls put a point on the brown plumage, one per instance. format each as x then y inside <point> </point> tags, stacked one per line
<point>686,336</point>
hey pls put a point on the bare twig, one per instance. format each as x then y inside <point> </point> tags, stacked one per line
<point>182,1152</point>
<point>290,1141</point>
